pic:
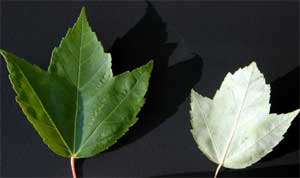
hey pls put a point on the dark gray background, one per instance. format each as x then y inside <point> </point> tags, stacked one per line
<point>194,44</point>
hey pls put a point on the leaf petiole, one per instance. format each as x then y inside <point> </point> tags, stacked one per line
<point>218,170</point>
<point>73,167</point>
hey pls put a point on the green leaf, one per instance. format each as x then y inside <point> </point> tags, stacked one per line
<point>78,107</point>
<point>235,129</point>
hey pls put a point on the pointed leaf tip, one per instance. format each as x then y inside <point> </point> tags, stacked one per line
<point>192,91</point>
<point>83,11</point>
<point>82,14</point>
<point>253,63</point>
<point>151,64</point>
<point>148,66</point>
<point>5,54</point>
<point>297,112</point>
<point>2,52</point>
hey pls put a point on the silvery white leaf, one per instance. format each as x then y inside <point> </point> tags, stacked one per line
<point>235,129</point>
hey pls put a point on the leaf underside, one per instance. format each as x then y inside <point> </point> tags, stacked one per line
<point>78,107</point>
<point>235,129</point>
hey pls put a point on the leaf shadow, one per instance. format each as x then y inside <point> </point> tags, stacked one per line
<point>145,41</point>
<point>273,171</point>
<point>169,85</point>
<point>285,98</point>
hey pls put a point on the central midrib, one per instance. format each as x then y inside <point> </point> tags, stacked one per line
<point>236,121</point>
<point>77,90</point>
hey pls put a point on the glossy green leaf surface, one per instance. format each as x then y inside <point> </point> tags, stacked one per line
<point>78,107</point>
<point>235,129</point>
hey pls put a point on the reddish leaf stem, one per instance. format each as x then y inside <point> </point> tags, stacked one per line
<point>73,167</point>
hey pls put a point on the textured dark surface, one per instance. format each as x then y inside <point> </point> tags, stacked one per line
<point>194,44</point>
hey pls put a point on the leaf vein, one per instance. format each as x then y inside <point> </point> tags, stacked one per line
<point>108,116</point>
<point>43,108</point>
<point>209,132</point>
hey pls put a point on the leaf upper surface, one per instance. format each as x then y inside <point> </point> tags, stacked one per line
<point>78,107</point>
